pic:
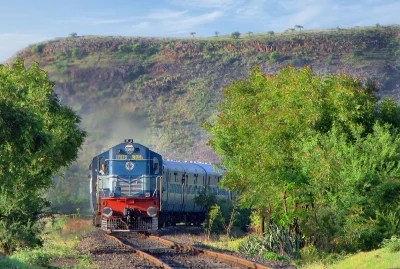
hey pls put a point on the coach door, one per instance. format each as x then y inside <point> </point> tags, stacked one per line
<point>184,191</point>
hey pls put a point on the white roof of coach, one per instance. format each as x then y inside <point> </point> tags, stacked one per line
<point>191,167</point>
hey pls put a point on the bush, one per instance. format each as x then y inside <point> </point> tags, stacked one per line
<point>15,264</point>
<point>309,254</point>
<point>254,246</point>
<point>259,246</point>
<point>235,35</point>
<point>274,56</point>
<point>38,48</point>
<point>272,256</point>
<point>38,256</point>
<point>392,244</point>
<point>75,53</point>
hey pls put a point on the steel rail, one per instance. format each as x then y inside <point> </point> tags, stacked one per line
<point>221,256</point>
<point>142,254</point>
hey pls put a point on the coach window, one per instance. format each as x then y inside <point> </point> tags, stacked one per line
<point>156,166</point>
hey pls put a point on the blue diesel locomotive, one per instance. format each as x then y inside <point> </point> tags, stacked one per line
<point>133,189</point>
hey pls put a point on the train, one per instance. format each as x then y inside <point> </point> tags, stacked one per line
<point>132,188</point>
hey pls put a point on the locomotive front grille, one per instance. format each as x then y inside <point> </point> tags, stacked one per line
<point>140,224</point>
<point>130,187</point>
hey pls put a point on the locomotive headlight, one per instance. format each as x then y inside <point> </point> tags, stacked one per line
<point>107,212</point>
<point>152,211</point>
<point>129,149</point>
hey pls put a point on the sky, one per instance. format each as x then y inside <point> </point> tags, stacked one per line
<point>26,22</point>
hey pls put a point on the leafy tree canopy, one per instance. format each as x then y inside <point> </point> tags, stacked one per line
<point>235,35</point>
<point>313,152</point>
<point>38,136</point>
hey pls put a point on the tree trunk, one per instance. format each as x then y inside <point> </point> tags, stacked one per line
<point>284,202</point>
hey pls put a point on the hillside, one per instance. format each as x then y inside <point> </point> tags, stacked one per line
<point>158,90</point>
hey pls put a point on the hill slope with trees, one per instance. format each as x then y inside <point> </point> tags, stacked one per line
<point>158,90</point>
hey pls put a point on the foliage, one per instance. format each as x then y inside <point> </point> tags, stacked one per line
<point>327,157</point>
<point>15,264</point>
<point>310,254</point>
<point>75,53</point>
<point>298,27</point>
<point>235,35</point>
<point>392,244</point>
<point>274,56</point>
<point>61,239</point>
<point>206,198</point>
<point>38,256</point>
<point>362,260</point>
<point>259,246</point>
<point>38,136</point>
<point>38,48</point>
<point>213,214</point>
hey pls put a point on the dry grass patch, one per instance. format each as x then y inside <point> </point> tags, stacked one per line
<point>74,225</point>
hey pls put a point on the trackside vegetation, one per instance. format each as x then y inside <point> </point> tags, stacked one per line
<point>60,247</point>
<point>317,157</point>
<point>38,136</point>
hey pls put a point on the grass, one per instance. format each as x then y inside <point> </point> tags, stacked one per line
<point>231,244</point>
<point>380,258</point>
<point>386,257</point>
<point>61,239</point>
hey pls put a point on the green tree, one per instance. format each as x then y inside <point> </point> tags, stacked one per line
<point>235,35</point>
<point>192,34</point>
<point>75,53</point>
<point>38,48</point>
<point>298,27</point>
<point>73,35</point>
<point>317,155</point>
<point>249,33</point>
<point>271,33</point>
<point>216,33</point>
<point>274,56</point>
<point>38,136</point>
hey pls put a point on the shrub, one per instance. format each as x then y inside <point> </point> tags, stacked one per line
<point>274,56</point>
<point>235,35</point>
<point>254,246</point>
<point>259,246</point>
<point>272,256</point>
<point>75,53</point>
<point>309,254</point>
<point>392,244</point>
<point>38,48</point>
<point>38,256</point>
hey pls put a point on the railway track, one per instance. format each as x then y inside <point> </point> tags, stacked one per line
<point>168,254</point>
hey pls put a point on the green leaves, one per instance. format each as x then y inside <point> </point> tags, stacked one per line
<point>301,144</point>
<point>38,136</point>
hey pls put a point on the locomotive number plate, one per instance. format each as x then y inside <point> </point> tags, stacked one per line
<point>137,157</point>
<point>122,157</point>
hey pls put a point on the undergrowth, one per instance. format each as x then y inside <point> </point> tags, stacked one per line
<point>61,238</point>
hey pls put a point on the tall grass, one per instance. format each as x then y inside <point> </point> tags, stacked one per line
<point>61,238</point>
